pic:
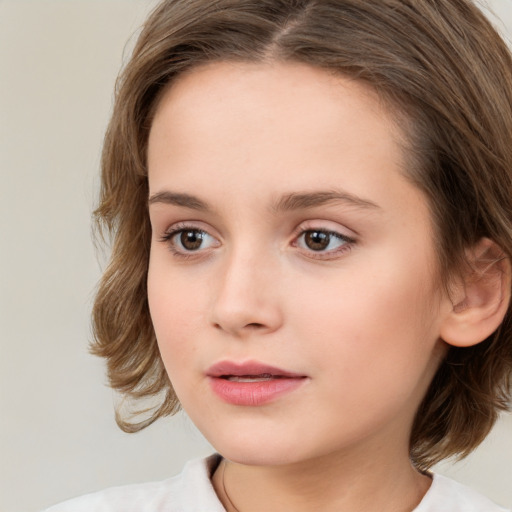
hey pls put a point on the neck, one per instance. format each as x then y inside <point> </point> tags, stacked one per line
<point>333,482</point>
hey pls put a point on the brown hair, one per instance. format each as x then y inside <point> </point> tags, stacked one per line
<point>439,63</point>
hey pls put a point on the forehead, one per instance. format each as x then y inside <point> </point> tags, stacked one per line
<point>210,89</point>
<point>267,117</point>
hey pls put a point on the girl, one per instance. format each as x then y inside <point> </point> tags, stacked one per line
<point>310,205</point>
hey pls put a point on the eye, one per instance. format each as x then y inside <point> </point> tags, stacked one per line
<point>323,241</point>
<point>190,240</point>
<point>183,240</point>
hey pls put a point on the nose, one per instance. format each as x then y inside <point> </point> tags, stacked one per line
<point>247,296</point>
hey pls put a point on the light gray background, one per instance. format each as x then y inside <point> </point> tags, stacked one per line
<point>58,63</point>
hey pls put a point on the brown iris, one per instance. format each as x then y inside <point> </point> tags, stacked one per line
<point>317,240</point>
<point>191,240</point>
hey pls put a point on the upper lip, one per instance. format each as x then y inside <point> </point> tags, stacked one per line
<point>228,368</point>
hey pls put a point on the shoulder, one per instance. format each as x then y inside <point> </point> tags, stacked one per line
<point>446,495</point>
<point>190,491</point>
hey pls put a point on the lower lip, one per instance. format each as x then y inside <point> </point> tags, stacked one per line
<point>254,393</point>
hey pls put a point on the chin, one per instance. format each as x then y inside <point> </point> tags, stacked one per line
<point>258,448</point>
<point>258,456</point>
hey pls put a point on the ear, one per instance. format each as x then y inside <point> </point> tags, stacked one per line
<point>480,298</point>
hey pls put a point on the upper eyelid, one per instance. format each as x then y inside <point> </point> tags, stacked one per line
<point>175,229</point>
<point>326,226</point>
<point>324,230</point>
<point>312,223</point>
<point>197,225</point>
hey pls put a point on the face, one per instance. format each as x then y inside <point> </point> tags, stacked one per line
<point>292,273</point>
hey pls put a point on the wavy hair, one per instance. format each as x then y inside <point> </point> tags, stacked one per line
<point>442,69</point>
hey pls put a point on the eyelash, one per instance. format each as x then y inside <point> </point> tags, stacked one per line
<point>347,245</point>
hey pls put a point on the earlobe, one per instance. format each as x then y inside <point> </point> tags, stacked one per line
<point>481,298</point>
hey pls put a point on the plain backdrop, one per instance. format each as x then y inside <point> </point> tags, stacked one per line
<point>58,63</point>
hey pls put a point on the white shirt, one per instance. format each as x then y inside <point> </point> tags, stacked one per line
<point>192,491</point>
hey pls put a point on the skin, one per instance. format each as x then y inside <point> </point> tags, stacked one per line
<point>360,319</point>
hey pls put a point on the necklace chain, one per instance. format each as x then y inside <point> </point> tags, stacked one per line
<point>224,464</point>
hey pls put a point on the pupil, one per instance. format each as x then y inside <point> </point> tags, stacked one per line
<point>317,240</point>
<point>191,240</point>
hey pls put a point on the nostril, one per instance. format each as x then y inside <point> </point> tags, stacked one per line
<point>254,326</point>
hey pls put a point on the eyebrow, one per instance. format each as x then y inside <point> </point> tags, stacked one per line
<point>288,202</point>
<point>301,201</point>
<point>179,199</point>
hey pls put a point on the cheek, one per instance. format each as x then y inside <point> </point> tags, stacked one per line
<point>176,314</point>
<point>372,349</point>
<point>378,321</point>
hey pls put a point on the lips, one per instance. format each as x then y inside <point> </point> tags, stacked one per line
<point>251,383</point>
<point>250,368</point>
<point>264,377</point>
